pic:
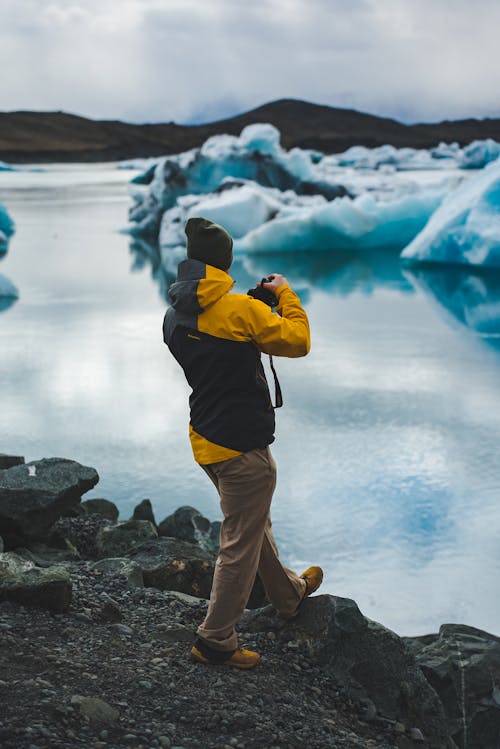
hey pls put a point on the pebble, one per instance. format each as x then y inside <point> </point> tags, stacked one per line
<point>416,734</point>
<point>122,629</point>
<point>165,742</point>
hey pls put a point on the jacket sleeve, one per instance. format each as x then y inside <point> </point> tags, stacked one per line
<point>282,334</point>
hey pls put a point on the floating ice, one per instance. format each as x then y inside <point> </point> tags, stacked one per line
<point>345,223</point>
<point>255,155</point>
<point>444,156</point>
<point>479,153</point>
<point>7,227</point>
<point>4,167</point>
<point>466,227</point>
<point>7,289</point>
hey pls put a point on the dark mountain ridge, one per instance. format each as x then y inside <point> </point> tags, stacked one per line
<point>38,137</point>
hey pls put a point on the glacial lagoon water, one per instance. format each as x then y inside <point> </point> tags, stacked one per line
<point>388,446</point>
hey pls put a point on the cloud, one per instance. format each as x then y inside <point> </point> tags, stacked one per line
<point>153,60</point>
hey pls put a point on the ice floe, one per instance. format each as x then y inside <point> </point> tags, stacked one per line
<point>465,229</point>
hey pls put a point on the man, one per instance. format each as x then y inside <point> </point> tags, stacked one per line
<point>217,338</point>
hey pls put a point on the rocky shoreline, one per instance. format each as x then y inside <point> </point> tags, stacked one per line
<point>97,618</point>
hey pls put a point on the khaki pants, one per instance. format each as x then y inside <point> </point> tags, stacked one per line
<point>245,485</point>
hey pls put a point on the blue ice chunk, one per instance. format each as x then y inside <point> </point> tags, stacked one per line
<point>479,153</point>
<point>255,155</point>
<point>7,228</point>
<point>7,288</point>
<point>345,223</point>
<point>466,227</point>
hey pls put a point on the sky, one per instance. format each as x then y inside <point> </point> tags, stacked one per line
<point>200,60</point>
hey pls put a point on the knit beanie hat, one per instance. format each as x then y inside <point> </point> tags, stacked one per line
<point>209,243</point>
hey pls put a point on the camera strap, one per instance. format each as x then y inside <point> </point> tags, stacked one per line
<point>278,398</point>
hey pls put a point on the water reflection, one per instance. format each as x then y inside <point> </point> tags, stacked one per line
<point>341,272</point>
<point>146,253</point>
<point>469,298</point>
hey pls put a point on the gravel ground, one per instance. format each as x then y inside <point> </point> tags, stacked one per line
<point>115,671</point>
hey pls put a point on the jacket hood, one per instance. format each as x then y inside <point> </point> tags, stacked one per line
<point>198,286</point>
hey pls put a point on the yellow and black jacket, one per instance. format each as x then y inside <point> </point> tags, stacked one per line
<point>217,338</point>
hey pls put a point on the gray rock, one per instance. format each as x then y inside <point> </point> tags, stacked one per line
<point>79,533</point>
<point>122,566</point>
<point>119,540</point>
<point>462,663</point>
<point>144,511</point>
<point>170,564</point>
<point>95,709</point>
<point>22,582</point>
<point>110,611</point>
<point>187,524</point>
<point>46,556</point>
<point>363,656</point>
<point>35,495</point>
<point>103,507</point>
<point>8,461</point>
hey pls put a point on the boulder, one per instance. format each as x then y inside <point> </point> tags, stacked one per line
<point>22,582</point>
<point>8,461</point>
<point>171,564</point>
<point>103,507</point>
<point>46,556</point>
<point>33,496</point>
<point>119,540</point>
<point>144,511</point>
<point>124,567</point>
<point>187,524</point>
<point>463,666</point>
<point>79,532</point>
<point>371,662</point>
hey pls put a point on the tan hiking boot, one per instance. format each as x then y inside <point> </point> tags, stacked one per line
<point>240,658</point>
<point>313,577</point>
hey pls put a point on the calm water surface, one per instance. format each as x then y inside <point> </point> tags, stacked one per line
<point>388,446</point>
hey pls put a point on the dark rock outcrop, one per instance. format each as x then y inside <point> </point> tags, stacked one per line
<point>144,511</point>
<point>103,507</point>
<point>79,533</point>
<point>463,665</point>
<point>188,524</point>
<point>372,662</point>
<point>35,495</point>
<point>119,540</point>
<point>22,582</point>
<point>171,564</point>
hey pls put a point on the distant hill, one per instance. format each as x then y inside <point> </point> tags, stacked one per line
<point>58,136</point>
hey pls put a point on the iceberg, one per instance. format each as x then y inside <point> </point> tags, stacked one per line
<point>466,227</point>
<point>255,155</point>
<point>8,293</point>
<point>479,153</point>
<point>360,223</point>
<point>476,155</point>
<point>7,228</point>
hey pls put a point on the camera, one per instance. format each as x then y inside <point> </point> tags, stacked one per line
<point>264,295</point>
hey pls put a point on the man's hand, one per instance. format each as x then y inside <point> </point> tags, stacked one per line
<point>275,283</point>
